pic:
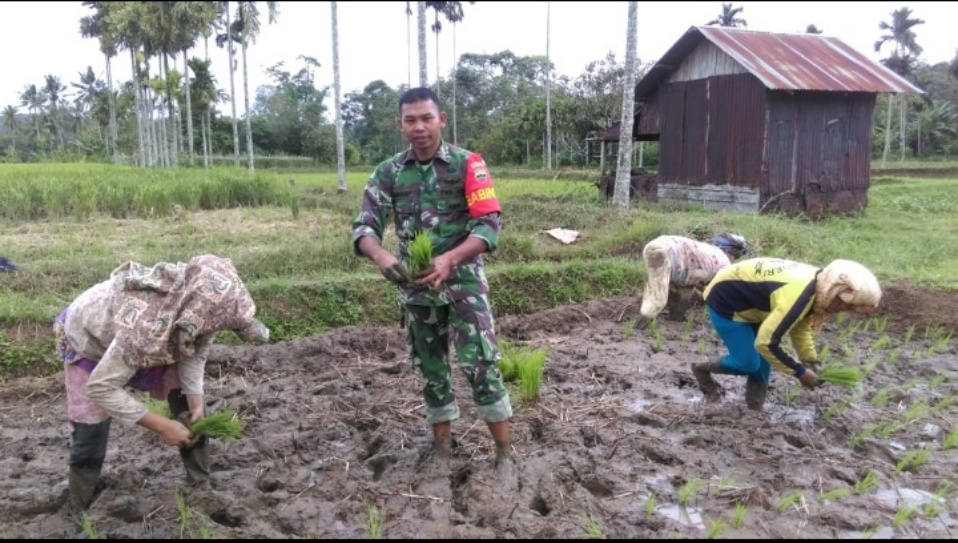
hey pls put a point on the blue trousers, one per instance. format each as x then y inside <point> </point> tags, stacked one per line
<point>742,358</point>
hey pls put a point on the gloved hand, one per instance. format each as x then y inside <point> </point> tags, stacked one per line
<point>397,274</point>
<point>186,419</point>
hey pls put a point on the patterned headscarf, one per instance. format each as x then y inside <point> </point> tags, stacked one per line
<point>165,313</point>
<point>851,282</point>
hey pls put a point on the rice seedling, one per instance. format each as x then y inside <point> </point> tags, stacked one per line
<point>847,350</point>
<point>700,347</point>
<point>650,503</point>
<point>883,342</point>
<point>843,376</point>
<point>591,529</point>
<point>222,424</point>
<point>937,381</point>
<point>894,355</point>
<point>88,527</point>
<point>656,335</point>
<point>792,393</point>
<point>834,494</point>
<point>910,333</point>
<point>941,344</point>
<point>859,437</point>
<point>870,532</point>
<point>823,354</point>
<point>794,498</point>
<point>910,384</point>
<point>203,525</point>
<point>881,397</point>
<point>916,411</point>
<point>951,440</point>
<point>373,526</point>
<point>689,323</point>
<point>714,528</point>
<point>689,489</point>
<point>837,408</point>
<point>887,430</point>
<point>184,513</point>
<point>913,460</point>
<point>903,515</point>
<point>944,403</point>
<point>508,364</point>
<point>869,368</point>
<point>934,507</point>
<point>629,329</point>
<point>738,515</point>
<point>867,483</point>
<point>530,375</point>
<point>420,251</point>
<point>159,407</point>
<point>880,324</point>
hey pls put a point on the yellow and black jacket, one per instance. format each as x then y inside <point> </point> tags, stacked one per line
<point>777,293</point>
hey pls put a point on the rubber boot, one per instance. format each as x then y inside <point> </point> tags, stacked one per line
<point>755,392</point>
<point>87,453</point>
<point>703,374</point>
<point>196,459</point>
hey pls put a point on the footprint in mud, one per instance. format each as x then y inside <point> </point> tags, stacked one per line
<point>379,463</point>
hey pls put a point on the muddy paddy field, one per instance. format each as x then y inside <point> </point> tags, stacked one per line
<point>618,444</point>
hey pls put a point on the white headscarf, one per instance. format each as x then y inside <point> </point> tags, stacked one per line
<point>851,282</point>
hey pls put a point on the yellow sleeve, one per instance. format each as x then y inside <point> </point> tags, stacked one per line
<point>788,312</point>
<point>804,341</point>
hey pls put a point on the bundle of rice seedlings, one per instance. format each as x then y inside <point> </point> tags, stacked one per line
<point>222,424</point>
<point>159,407</point>
<point>420,251</point>
<point>842,376</point>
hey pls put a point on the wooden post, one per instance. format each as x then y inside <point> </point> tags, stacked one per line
<point>602,158</point>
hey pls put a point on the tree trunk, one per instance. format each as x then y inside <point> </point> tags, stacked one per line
<point>902,106</point>
<point>207,116</point>
<point>229,48</point>
<point>170,125</point>
<point>189,108</point>
<point>438,78</point>
<point>421,20</point>
<point>340,150</point>
<point>249,126</point>
<point>408,45</point>
<point>884,154</point>
<point>206,148</point>
<point>141,148</point>
<point>623,176</point>
<point>455,73</point>
<point>548,161</point>
<point>109,84</point>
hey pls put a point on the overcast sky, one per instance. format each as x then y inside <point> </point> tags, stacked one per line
<point>43,38</point>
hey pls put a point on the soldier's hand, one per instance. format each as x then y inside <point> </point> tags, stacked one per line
<point>396,273</point>
<point>436,274</point>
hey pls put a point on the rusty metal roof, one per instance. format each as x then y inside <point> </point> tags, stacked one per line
<point>784,61</point>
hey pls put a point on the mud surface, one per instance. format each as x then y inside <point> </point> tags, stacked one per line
<point>618,445</point>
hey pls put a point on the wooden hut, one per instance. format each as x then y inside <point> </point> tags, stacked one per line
<point>760,121</point>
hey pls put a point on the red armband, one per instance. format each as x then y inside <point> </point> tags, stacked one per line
<point>480,195</point>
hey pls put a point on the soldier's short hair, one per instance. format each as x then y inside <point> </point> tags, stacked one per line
<point>419,94</point>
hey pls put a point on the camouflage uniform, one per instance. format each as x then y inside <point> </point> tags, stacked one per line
<point>453,198</point>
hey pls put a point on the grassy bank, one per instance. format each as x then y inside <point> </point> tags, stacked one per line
<point>293,248</point>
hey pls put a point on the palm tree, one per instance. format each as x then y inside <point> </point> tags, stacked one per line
<point>231,34</point>
<point>340,151</point>
<point>247,14</point>
<point>11,122</point>
<point>452,11</point>
<point>88,89</point>
<point>623,175</point>
<point>898,32</point>
<point>53,88</point>
<point>953,66</point>
<point>408,44</point>
<point>33,99</point>
<point>192,19</point>
<point>98,26</point>
<point>729,17</point>
<point>812,29</point>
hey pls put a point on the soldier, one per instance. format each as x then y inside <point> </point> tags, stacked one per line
<point>148,329</point>
<point>446,190</point>
<point>677,266</point>
<point>754,304</point>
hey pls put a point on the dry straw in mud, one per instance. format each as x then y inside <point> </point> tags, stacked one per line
<point>420,251</point>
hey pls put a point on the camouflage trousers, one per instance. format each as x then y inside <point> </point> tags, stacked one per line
<point>471,325</point>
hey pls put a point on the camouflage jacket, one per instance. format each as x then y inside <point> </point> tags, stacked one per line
<point>452,196</point>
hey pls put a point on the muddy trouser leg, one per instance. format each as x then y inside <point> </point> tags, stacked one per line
<point>87,453</point>
<point>196,459</point>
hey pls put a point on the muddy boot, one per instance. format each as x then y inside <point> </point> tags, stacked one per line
<point>755,392</point>
<point>506,465</point>
<point>87,452</point>
<point>436,457</point>
<point>703,374</point>
<point>196,458</point>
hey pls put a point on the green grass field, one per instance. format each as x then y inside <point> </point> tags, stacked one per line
<point>69,225</point>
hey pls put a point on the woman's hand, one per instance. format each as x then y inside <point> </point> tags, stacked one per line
<point>809,379</point>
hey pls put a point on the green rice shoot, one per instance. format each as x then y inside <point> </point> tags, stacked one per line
<point>843,376</point>
<point>159,407</point>
<point>522,366</point>
<point>420,251</point>
<point>222,424</point>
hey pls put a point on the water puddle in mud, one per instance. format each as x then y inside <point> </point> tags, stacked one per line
<point>909,497</point>
<point>639,404</point>
<point>885,532</point>
<point>689,516</point>
<point>781,414</point>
